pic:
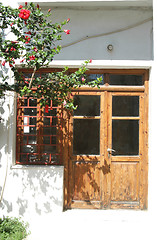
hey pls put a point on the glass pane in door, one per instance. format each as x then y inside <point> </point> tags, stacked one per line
<point>86,136</point>
<point>125,106</point>
<point>87,105</point>
<point>125,137</point>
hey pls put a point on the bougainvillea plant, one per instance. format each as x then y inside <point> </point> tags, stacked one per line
<point>35,45</point>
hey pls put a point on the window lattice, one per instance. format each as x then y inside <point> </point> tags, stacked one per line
<point>39,133</point>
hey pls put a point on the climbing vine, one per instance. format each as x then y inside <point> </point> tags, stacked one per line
<point>35,44</point>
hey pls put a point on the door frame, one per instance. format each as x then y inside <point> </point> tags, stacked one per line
<point>67,137</point>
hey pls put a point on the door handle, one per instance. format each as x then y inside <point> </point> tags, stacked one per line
<point>110,151</point>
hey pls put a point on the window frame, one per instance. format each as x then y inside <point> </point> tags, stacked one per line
<point>40,115</point>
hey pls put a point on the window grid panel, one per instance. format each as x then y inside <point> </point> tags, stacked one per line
<point>30,133</point>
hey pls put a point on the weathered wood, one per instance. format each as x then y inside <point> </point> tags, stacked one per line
<point>111,89</point>
<point>108,181</point>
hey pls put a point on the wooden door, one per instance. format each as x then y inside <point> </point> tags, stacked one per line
<point>87,151</point>
<point>107,158</point>
<point>126,150</point>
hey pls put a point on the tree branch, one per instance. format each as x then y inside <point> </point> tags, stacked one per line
<point>30,84</point>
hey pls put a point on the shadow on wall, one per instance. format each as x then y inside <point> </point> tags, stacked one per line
<point>31,190</point>
<point>6,117</point>
<point>37,190</point>
<point>6,126</point>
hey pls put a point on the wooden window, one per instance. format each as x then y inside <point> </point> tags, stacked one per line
<point>39,133</point>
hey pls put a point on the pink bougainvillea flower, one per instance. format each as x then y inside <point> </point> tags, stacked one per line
<point>3,63</point>
<point>90,61</point>
<point>67,31</point>
<point>46,108</point>
<point>31,58</point>
<point>24,14</point>
<point>20,6</point>
<point>83,79</point>
<point>64,103</point>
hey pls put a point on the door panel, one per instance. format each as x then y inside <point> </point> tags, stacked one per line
<point>86,181</point>
<point>124,181</point>
<point>124,138</point>
<point>86,151</point>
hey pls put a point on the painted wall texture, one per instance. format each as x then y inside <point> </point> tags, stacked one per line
<point>38,191</point>
<point>93,29</point>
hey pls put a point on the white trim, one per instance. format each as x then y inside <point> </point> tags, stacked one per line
<point>101,64</point>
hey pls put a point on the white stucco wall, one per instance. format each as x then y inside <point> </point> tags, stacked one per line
<point>125,29</point>
<point>38,191</point>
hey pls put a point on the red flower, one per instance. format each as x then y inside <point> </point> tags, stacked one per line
<point>35,49</point>
<point>90,61</point>
<point>3,63</point>
<point>27,39</point>
<point>37,5</point>
<point>49,10</point>
<point>11,62</point>
<point>14,41</point>
<point>28,33</point>
<point>31,58</point>
<point>67,31</point>
<point>11,24</point>
<point>12,49</point>
<point>46,108</point>
<point>83,79</point>
<point>22,60</point>
<point>24,14</point>
<point>25,3</point>
<point>20,6</point>
<point>68,19</point>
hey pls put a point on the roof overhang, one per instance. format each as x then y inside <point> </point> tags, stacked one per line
<point>93,3</point>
